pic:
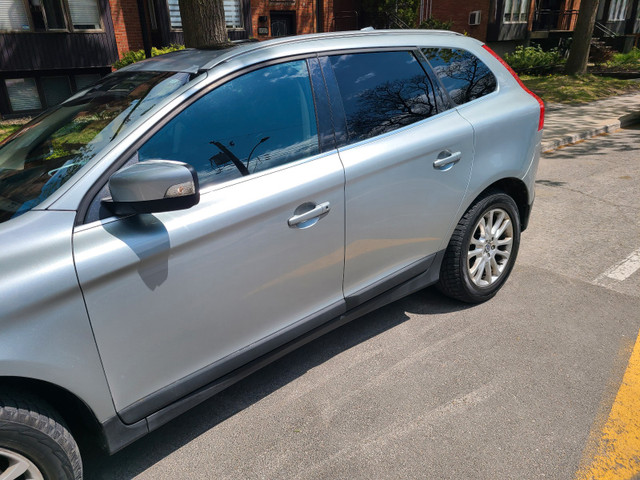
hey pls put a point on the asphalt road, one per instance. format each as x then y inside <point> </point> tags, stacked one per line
<point>515,388</point>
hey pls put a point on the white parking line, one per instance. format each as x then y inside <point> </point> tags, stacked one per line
<point>622,270</point>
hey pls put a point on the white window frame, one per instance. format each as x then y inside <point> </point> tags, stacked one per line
<point>516,11</point>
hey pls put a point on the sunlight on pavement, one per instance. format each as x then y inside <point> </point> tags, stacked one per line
<point>617,455</point>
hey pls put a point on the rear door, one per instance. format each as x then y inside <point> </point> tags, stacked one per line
<point>407,159</point>
<point>178,299</point>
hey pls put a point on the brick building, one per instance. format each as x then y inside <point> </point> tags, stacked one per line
<point>52,48</point>
<point>506,23</point>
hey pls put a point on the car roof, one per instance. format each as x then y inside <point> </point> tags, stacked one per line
<point>194,60</point>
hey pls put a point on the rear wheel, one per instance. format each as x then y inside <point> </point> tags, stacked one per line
<point>482,249</point>
<point>35,443</point>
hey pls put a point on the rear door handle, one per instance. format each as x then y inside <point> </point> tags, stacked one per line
<point>312,212</point>
<point>446,158</point>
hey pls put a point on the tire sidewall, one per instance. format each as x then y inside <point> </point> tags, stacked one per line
<point>38,447</point>
<point>504,202</point>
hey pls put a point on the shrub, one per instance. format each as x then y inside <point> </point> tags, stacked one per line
<point>434,24</point>
<point>629,59</point>
<point>134,56</point>
<point>534,60</point>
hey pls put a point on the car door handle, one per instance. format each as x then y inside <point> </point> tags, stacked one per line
<point>446,158</point>
<point>312,211</point>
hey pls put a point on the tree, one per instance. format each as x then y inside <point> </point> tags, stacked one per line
<point>203,23</point>
<point>391,13</point>
<point>581,43</point>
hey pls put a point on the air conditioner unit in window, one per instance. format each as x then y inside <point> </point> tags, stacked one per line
<point>474,17</point>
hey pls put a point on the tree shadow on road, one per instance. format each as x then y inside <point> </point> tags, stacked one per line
<point>146,452</point>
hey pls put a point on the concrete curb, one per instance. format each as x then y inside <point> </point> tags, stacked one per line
<point>609,127</point>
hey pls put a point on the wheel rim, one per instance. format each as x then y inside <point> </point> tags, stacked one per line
<point>14,466</point>
<point>490,247</point>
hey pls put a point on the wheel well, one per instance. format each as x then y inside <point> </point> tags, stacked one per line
<point>81,421</point>
<point>517,190</point>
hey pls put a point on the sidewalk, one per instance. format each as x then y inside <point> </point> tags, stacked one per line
<point>565,124</point>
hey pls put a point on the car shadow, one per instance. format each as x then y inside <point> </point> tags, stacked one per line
<point>149,450</point>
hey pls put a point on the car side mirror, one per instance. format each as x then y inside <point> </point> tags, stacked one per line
<point>153,186</point>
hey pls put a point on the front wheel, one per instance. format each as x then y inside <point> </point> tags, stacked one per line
<point>482,249</point>
<point>35,443</point>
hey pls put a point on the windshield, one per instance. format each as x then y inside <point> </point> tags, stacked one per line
<point>45,153</point>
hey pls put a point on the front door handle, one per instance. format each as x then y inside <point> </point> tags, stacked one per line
<point>446,158</point>
<point>307,212</point>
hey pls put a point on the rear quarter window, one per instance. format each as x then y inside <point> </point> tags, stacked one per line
<point>462,74</point>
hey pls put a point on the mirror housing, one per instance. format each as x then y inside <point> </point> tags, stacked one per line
<point>153,186</point>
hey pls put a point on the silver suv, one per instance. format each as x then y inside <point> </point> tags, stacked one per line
<point>193,217</point>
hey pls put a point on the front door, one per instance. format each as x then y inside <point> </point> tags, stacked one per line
<point>178,299</point>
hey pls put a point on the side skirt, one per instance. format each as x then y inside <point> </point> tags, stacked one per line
<point>118,435</point>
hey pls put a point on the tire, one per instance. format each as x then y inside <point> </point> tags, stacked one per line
<point>478,260</point>
<point>34,439</point>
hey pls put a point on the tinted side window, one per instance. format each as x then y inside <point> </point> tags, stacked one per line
<point>463,74</point>
<point>260,120</point>
<point>382,92</point>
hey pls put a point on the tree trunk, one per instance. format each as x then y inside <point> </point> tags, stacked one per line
<point>581,43</point>
<point>203,23</point>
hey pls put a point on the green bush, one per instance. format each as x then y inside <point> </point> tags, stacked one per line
<point>134,56</point>
<point>432,23</point>
<point>534,60</point>
<point>626,59</point>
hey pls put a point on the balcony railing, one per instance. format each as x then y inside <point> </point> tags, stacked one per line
<point>545,19</point>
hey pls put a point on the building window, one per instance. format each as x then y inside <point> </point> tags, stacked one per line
<point>85,14</point>
<point>232,13</point>
<point>516,11</point>
<point>174,14</point>
<point>56,90</point>
<point>13,16</point>
<point>23,94</point>
<point>152,15</point>
<point>84,81</point>
<point>49,15</point>
<point>618,10</point>
<point>38,93</point>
